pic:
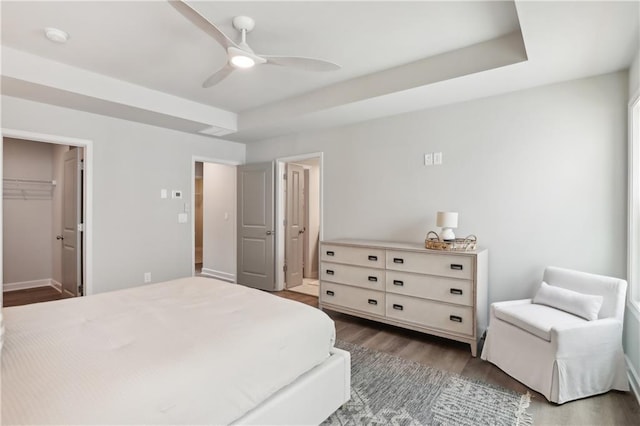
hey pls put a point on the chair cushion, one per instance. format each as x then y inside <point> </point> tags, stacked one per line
<point>583,305</point>
<point>535,319</point>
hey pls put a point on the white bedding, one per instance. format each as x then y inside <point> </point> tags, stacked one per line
<point>194,350</point>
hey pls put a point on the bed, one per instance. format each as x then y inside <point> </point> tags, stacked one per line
<point>194,350</point>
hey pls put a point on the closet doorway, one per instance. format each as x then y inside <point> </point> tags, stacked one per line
<point>43,221</point>
<point>214,207</point>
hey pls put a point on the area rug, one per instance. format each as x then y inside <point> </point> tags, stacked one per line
<point>387,390</point>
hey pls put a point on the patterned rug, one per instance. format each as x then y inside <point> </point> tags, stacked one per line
<point>387,390</point>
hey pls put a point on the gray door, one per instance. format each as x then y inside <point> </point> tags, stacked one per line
<point>256,266</point>
<point>71,220</point>
<point>295,217</point>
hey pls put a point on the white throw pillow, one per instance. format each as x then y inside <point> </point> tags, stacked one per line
<point>585,306</point>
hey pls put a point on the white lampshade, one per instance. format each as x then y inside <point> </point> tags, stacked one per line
<point>447,219</point>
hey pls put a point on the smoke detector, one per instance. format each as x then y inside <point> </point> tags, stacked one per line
<point>56,35</point>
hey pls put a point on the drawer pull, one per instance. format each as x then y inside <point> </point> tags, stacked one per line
<point>398,283</point>
<point>330,293</point>
<point>398,307</point>
<point>373,302</point>
<point>398,260</point>
<point>373,258</point>
<point>373,279</point>
<point>330,272</point>
<point>455,318</point>
<point>330,253</point>
<point>456,266</point>
<point>455,291</point>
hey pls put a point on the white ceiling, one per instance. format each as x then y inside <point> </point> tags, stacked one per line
<point>388,50</point>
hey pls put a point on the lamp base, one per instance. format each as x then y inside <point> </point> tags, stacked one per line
<point>447,234</point>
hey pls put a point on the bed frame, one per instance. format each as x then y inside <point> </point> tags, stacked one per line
<point>310,399</point>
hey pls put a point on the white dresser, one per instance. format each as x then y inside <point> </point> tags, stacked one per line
<point>436,292</point>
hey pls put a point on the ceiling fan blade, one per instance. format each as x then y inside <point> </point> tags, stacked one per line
<point>218,76</point>
<point>203,23</point>
<point>308,64</point>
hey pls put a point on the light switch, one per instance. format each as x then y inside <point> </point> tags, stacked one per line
<point>428,159</point>
<point>437,158</point>
<point>163,193</point>
<point>182,218</point>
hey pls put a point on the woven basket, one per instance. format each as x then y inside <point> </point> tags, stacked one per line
<point>432,241</point>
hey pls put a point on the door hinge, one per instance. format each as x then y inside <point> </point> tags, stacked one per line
<point>81,164</point>
<point>81,227</point>
<point>284,268</point>
<point>284,222</point>
<point>284,176</point>
<point>81,290</point>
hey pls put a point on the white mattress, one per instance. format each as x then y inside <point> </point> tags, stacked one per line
<point>194,350</point>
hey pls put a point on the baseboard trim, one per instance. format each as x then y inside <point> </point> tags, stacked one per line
<point>23,285</point>
<point>224,276</point>
<point>55,284</point>
<point>634,378</point>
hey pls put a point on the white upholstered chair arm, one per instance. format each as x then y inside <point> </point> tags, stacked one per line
<point>512,302</point>
<point>591,337</point>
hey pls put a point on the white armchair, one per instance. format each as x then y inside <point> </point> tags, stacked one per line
<point>562,355</point>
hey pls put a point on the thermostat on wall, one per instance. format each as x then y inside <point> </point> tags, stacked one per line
<point>176,194</point>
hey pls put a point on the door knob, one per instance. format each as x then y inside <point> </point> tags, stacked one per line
<point>270,232</point>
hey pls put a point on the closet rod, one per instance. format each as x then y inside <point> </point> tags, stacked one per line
<point>18,180</point>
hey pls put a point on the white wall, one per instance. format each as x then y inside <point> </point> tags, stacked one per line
<point>538,175</point>
<point>27,224</point>
<point>219,223</point>
<point>634,76</point>
<point>134,230</point>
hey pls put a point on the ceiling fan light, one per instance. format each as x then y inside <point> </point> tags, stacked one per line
<point>241,61</point>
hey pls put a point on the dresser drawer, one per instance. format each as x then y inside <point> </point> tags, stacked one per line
<point>353,297</point>
<point>353,275</point>
<point>430,263</point>
<point>432,287</point>
<point>361,256</point>
<point>456,319</point>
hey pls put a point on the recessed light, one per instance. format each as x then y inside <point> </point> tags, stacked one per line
<point>56,35</point>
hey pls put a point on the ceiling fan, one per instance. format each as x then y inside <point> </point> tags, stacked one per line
<point>240,55</point>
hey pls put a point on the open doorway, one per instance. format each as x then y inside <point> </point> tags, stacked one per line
<point>214,219</point>
<point>43,217</point>
<point>299,212</point>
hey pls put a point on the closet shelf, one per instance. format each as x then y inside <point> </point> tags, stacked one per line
<point>27,189</point>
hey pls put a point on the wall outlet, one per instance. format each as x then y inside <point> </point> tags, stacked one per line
<point>147,277</point>
<point>428,159</point>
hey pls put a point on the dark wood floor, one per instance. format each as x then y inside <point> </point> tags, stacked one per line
<point>613,408</point>
<point>30,295</point>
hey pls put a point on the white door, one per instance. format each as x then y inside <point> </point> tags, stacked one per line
<point>256,236</point>
<point>294,229</point>
<point>71,220</point>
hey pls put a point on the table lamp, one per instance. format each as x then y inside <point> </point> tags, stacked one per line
<point>447,221</point>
